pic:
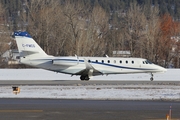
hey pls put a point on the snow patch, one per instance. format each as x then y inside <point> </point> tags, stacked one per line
<point>115,92</point>
<point>40,74</point>
<point>103,92</point>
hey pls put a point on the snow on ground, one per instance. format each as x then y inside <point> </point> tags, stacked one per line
<point>99,92</point>
<point>39,74</point>
<point>113,92</point>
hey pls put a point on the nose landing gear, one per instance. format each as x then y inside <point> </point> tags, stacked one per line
<point>151,77</point>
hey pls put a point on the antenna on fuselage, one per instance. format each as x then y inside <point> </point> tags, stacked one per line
<point>77,58</point>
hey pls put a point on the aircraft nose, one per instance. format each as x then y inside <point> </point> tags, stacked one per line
<point>163,69</point>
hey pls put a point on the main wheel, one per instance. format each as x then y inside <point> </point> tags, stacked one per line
<point>87,78</point>
<point>82,77</point>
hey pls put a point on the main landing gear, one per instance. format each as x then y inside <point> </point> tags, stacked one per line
<point>84,77</point>
<point>151,77</point>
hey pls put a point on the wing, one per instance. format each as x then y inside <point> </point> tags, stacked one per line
<point>89,70</point>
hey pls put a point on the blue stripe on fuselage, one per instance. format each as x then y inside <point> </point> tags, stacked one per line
<point>100,63</point>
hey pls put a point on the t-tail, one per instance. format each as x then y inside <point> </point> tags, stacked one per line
<point>27,46</point>
<point>86,67</point>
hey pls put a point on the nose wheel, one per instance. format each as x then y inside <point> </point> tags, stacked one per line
<point>151,77</point>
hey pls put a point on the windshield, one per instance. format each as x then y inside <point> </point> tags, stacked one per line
<point>149,62</point>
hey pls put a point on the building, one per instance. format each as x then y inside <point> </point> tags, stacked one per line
<point>11,56</point>
<point>121,54</point>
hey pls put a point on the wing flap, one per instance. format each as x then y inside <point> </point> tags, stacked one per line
<point>89,70</point>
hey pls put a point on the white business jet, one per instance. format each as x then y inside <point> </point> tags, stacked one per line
<point>32,54</point>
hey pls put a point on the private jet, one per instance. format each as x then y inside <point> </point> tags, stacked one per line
<point>86,67</point>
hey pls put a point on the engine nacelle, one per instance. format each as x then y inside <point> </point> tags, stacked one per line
<point>65,62</point>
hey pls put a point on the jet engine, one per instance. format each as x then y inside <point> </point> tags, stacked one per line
<point>65,62</point>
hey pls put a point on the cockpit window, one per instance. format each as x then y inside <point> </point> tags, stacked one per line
<point>149,62</point>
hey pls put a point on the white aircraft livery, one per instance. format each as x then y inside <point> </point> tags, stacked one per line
<point>86,67</point>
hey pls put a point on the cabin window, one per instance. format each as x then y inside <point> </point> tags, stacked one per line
<point>102,61</point>
<point>108,61</point>
<point>114,61</point>
<point>132,62</point>
<point>96,60</point>
<point>120,61</point>
<point>126,62</point>
<point>89,61</point>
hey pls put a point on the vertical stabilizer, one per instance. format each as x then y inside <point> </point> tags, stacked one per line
<point>27,46</point>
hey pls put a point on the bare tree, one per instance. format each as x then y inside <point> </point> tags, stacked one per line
<point>96,32</point>
<point>45,20</point>
<point>86,31</point>
<point>151,41</point>
<point>4,33</point>
<point>136,23</point>
<point>66,28</point>
<point>73,14</point>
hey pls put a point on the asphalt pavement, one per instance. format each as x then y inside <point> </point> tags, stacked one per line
<point>57,109</point>
<point>90,82</point>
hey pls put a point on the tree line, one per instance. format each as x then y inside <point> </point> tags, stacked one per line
<point>89,28</point>
<point>165,6</point>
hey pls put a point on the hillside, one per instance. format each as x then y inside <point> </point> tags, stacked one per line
<point>147,28</point>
